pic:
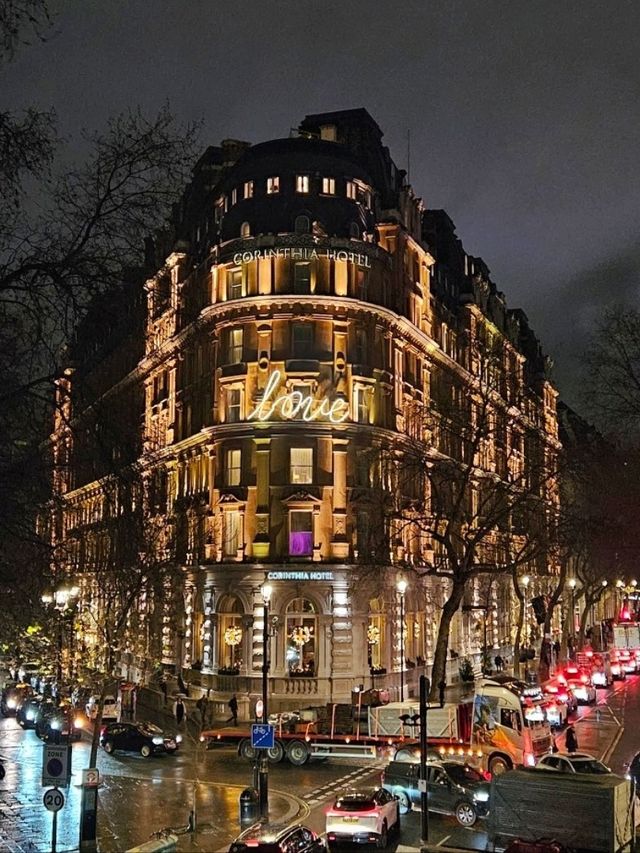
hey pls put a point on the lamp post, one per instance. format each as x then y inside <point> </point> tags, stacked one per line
<point>572,624</point>
<point>263,775</point>
<point>401,586</point>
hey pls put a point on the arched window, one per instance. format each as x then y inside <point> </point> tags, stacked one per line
<point>302,637</point>
<point>354,231</point>
<point>230,633</point>
<point>302,224</point>
<point>245,230</point>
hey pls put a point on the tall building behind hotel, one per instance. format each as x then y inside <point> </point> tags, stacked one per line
<point>305,309</point>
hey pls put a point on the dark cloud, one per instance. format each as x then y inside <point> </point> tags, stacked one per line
<point>523,115</point>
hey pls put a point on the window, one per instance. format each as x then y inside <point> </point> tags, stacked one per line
<point>360,347</point>
<point>235,346</point>
<point>354,230</point>
<point>233,467</point>
<point>302,183</point>
<point>328,132</point>
<point>301,637</point>
<point>301,465</point>
<point>351,190</point>
<point>234,405</point>
<point>302,340</point>
<point>231,533</point>
<point>248,189</point>
<point>301,533</point>
<point>362,280</point>
<point>245,230</point>
<point>302,225</point>
<point>361,404</point>
<point>302,277</point>
<point>230,633</point>
<point>235,287</point>
<point>273,185</point>
<point>329,186</point>
<point>234,196</point>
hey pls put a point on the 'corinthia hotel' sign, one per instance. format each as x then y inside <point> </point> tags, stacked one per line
<point>295,404</point>
<point>303,255</point>
<point>300,576</point>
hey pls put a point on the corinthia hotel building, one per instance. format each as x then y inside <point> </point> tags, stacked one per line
<point>304,308</point>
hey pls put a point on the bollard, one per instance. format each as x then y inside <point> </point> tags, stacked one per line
<point>249,807</point>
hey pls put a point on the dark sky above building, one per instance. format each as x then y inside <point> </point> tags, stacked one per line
<point>524,116</point>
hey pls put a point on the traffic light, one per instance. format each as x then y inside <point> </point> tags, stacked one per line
<point>539,609</point>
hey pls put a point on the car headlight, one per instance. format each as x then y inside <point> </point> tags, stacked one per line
<point>481,796</point>
<point>178,738</point>
<point>78,722</point>
<point>157,740</point>
<point>55,724</point>
<point>11,703</point>
<point>30,715</point>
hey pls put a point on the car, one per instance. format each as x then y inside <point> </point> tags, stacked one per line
<point>27,711</point>
<point>583,690</point>
<point>110,709</point>
<point>12,695</point>
<point>632,770</point>
<point>274,838</point>
<point>453,788</point>
<point>557,691</point>
<point>572,762</point>
<point>144,738</point>
<point>363,817</point>
<point>58,721</point>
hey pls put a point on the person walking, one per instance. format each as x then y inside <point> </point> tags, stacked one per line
<point>442,686</point>
<point>180,712</point>
<point>201,705</point>
<point>233,707</point>
<point>571,740</point>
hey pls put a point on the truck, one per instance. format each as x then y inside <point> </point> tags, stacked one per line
<point>597,813</point>
<point>505,721</point>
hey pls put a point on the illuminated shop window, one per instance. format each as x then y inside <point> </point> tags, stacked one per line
<point>351,190</point>
<point>273,185</point>
<point>302,277</point>
<point>233,467</point>
<point>302,183</point>
<point>361,396</point>
<point>301,465</point>
<point>234,405</point>
<point>301,638</point>
<point>230,633</point>
<point>231,533</point>
<point>235,287</point>
<point>248,189</point>
<point>329,186</point>
<point>300,533</point>
<point>302,340</point>
<point>236,345</point>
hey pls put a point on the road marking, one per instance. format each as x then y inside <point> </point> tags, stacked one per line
<point>440,843</point>
<point>613,745</point>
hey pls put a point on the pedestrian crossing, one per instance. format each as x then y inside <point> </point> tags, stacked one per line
<point>319,795</point>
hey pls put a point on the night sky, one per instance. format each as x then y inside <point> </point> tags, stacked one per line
<point>524,117</point>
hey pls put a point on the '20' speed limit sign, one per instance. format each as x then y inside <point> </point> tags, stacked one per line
<point>53,800</point>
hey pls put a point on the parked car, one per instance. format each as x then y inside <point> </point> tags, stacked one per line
<point>453,788</point>
<point>572,762</point>
<point>270,838</point>
<point>632,769</point>
<point>144,738</point>
<point>27,711</point>
<point>363,817</point>
<point>110,709</point>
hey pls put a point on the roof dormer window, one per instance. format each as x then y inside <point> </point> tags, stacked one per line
<point>273,185</point>
<point>302,183</point>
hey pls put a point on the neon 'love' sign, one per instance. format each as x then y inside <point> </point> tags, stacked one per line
<point>295,404</point>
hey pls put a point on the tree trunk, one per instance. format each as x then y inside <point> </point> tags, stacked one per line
<point>518,640</point>
<point>588,603</point>
<point>439,669</point>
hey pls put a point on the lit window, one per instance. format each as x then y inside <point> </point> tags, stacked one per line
<point>248,189</point>
<point>300,534</point>
<point>233,467</point>
<point>301,465</point>
<point>234,196</point>
<point>302,339</point>
<point>361,404</point>
<point>235,288</point>
<point>329,186</point>
<point>273,185</point>
<point>234,405</point>
<point>302,183</point>
<point>245,230</point>
<point>231,537</point>
<point>351,190</point>
<point>235,348</point>
<point>328,132</point>
<point>302,277</point>
<point>362,281</point>
<point>301,634</point>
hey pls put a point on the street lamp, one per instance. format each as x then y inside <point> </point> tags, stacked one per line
<point>572,624</point>
<point>401,586</point>
<point>526,580</point>
<point>263,776</point>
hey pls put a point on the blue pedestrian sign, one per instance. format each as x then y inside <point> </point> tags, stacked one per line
<point>262,737</point>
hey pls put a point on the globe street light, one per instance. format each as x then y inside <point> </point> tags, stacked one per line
<point>572,624</point>
<point>263,776</point>
<point>401,586</point>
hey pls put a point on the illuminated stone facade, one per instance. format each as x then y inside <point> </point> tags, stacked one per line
<point>306,304</point>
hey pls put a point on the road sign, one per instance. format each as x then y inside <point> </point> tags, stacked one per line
<point>56,765</point>
<point>262,737</point>
<point>53,800</point>
<point>90,778</point>
<point>259,709</point>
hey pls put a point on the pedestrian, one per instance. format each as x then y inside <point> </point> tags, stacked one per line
<point>233,707</point>
<point>498,662</point>
<point>164,687</point>
<point>201,705</point>
<point>182,687</point>
<point>571,740</point>
<point>179,711</point>
<point>442,685</point>
<point>556,649</point>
